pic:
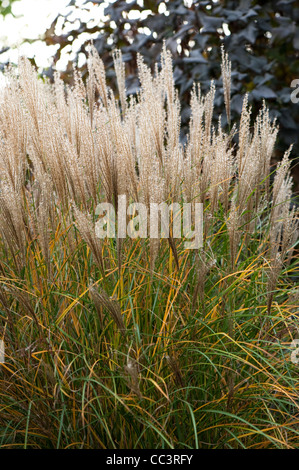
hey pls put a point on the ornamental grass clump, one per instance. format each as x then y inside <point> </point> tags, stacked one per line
<point>127,342</point>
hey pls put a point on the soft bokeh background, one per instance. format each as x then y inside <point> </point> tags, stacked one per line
<point>23,29</point>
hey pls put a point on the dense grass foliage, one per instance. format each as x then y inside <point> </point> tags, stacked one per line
<point>139,343</point>
<point>262,39</point>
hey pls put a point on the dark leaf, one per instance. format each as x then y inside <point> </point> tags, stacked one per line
<point>195,57</point>
<point>263,92</point>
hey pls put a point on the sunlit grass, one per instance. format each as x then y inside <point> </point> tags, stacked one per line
<point>124,344</point>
